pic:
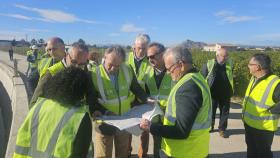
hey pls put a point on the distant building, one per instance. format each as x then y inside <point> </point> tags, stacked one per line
<point>5,43</point>
<point>210,48</point>
<point>260,49</point>
<point>217,46</point>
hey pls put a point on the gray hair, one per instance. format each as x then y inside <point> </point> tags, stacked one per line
<point>264,61</point>
<point>143,38</point>
<point>180,53</point>
<point>116,49</point>
<point>160,46</point>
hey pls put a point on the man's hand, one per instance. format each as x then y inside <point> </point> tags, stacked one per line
<point>145,125</point>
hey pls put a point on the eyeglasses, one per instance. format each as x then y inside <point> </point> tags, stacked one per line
<point>153,56</point>
<point>171,69</point>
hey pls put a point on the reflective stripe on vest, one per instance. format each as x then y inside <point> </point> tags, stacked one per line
<point>104,99</point>
<point>264,98</point>
<point>273,117</point>
<point>114,97</point>
<point>196,126</point>
<point>256,103</point>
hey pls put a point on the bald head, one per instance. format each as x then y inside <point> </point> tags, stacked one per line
<point>56,40</point>
<point>221,55</point>
<point>56,48</point>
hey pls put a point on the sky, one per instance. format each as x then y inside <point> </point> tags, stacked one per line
<point>247,22</point>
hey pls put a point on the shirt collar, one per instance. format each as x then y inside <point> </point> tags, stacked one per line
<point>64,62</point>
<point>138,59</point>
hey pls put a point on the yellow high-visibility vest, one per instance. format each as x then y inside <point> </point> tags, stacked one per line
<point>43,65</point>
<point>114,100</point>
<point>49,130</point>
<point>162,93</point>
<point>256,103</point>
<point>141,71</point>
<point>197,143</point>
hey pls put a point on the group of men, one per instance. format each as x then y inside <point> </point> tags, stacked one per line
<point>70,93</point>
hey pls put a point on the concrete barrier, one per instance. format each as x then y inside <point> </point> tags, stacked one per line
<point>13,110</point>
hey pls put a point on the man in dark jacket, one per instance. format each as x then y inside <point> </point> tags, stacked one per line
<point>218,73</point>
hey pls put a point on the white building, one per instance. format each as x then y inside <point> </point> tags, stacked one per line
<point>217,46</point>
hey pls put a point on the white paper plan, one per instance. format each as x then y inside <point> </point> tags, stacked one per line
<point>130,121</point>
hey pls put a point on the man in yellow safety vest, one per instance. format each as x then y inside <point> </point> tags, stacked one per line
<point>187,120</point>
<point>261,107</point>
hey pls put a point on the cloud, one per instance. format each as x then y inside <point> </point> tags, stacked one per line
<point>234,19</point>
<point>224,13</point>
<point>18,16</point>
<point>230,17</point>
<point>114,34</point>
<point>131,28</point>
<point>88,21</point>
<point>49,15</point>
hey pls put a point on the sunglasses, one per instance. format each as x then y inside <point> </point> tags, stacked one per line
<point>153,56</point>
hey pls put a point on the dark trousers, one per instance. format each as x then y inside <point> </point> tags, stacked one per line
<point>258,142</point>
<point>144,146</point>
<point>224,105</point>
<point>33,78</point>
<point>157,146</point>
<point>11,56</point>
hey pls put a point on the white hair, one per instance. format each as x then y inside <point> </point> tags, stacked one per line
<point>179,53</point>
<point>143,38</point>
